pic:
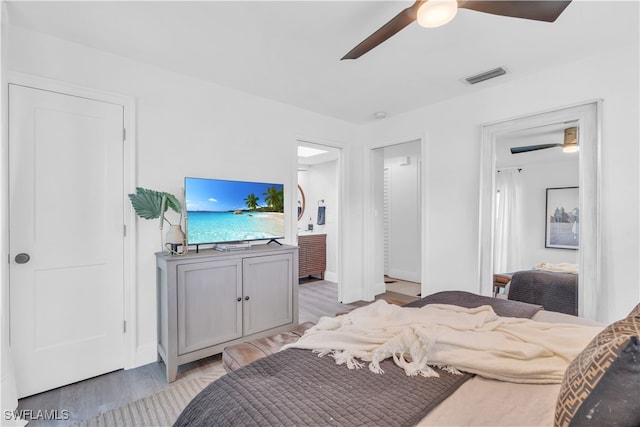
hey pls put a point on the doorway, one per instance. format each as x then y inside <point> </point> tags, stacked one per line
<point>394,226</point>
<point>586,118</point>
<point>319,206</point>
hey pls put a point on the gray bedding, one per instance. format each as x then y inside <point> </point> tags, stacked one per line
<point>465,299</point>
<point>554,291</point>
<point>295,387</point>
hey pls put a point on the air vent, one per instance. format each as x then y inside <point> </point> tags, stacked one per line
<point>486,75</point>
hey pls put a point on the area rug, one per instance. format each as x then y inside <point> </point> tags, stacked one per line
<point>160,409</point>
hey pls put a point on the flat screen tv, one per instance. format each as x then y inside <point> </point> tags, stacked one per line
<point>223,211</point>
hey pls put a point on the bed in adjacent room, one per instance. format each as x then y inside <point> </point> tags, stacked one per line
<point>499,362</point>
<point>553,286</point>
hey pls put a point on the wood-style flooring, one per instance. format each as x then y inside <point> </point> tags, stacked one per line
<point>88,398</point>
<point>402,286</point>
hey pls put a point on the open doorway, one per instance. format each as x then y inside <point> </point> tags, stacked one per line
<point>396,232</point>
<point>318,227</point>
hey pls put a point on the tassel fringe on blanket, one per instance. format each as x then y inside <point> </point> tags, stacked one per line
<point>448,337</point>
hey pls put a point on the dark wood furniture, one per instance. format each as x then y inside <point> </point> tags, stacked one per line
<point>500,281</point>
<point>312,255</point>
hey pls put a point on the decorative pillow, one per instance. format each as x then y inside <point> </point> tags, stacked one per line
<point>601,386</point>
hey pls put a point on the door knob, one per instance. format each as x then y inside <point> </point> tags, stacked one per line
<point>246,298</point>
<point>22,258</point>
<point>239,299</point>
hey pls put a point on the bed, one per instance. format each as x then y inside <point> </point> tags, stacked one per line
<point>554,291</point>
<point>295,387</point>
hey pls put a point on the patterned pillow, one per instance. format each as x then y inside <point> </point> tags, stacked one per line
<point>601,386</point>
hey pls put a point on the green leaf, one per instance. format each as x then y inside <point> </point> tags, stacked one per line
<point>173,203</point>
<point>148,203</point>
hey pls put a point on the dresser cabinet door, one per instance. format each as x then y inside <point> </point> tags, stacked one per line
<point>268,292</point>
<point>312,255</point>
<point>209,311</point>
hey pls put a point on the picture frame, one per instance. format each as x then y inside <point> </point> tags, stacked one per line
<point>562,222</point>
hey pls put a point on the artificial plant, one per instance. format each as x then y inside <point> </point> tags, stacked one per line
<point>151,204</point>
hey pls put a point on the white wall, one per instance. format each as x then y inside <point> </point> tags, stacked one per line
<point>187,127</point>
<point>453,132</point>
<point>535,180</point>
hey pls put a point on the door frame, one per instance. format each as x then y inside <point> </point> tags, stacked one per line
<point>588,116</point>
<point>132,358</point>
<point>371,287</point>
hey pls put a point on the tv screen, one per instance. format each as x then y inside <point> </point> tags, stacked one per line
<point>221,211</point>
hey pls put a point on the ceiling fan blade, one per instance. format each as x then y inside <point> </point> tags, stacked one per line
<point>546,10</point>
<point>401,20</point>
<point>527,148</point>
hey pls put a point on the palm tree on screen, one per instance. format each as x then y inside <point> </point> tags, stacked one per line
<point>274,198</point>
<point>252,201</point>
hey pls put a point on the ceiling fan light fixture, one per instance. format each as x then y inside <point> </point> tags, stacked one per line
<point>435,13</point>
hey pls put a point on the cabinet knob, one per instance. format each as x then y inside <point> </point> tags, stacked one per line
<point>246,298</point>
<point>239,299</point>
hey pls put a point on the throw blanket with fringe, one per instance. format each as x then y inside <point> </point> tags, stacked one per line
<point>473,340</point>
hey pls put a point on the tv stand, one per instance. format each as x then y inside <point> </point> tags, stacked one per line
<point>274,241</point>
<point>211,300</point>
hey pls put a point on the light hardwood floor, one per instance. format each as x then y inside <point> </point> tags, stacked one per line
<point>88,398</point>
<point>402,286</point>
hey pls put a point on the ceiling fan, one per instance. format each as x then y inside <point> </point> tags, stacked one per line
<point>434,13</point>
<point>570,144</point>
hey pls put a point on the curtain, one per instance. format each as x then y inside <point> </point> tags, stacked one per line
<point>507,234</point>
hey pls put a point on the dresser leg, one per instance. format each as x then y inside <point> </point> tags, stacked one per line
<point>172,373</point>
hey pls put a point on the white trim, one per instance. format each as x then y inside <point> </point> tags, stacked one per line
<point>331,276</point>
<point>129,183</point>
<point>588,116</point>
<point>144,354</point>
<point>371,287</point>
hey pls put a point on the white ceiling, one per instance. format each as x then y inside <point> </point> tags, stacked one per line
<point>290,51</point>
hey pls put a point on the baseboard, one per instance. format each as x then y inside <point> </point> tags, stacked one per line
<point>331,276</point>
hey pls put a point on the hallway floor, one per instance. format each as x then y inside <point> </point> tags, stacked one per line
<point>402,286</point>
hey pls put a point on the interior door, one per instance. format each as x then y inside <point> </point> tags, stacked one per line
<point>66,238</point>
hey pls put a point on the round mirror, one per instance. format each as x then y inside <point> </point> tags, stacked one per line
<point>301,202</point>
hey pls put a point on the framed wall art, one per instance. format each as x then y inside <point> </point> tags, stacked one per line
<point>563,218</point>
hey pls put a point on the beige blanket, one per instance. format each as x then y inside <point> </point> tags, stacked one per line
<point>561,267</point>
<point>451,337</point>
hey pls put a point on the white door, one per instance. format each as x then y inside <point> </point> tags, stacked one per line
<point>66,238</point>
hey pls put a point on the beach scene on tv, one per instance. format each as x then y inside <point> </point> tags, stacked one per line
<point>233,211</point>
